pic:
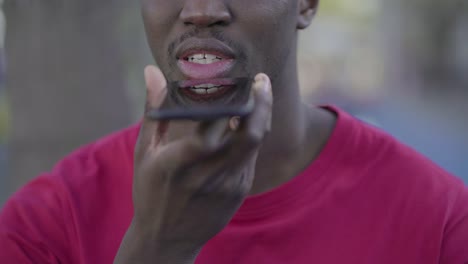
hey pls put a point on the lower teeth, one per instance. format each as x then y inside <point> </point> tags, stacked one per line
<point>212,90</point>
<point>205,90</point>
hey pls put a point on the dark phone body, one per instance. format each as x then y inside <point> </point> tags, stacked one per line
<point>177,105</point>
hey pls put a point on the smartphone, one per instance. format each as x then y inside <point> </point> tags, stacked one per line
<point>204,100</point>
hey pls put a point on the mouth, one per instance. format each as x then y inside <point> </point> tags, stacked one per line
<point>214,90</point>
<point>206,65</point>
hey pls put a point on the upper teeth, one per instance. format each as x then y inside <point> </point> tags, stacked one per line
<point>203,58</point>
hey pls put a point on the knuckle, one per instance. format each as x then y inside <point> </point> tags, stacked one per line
<point>253,137</point>
<point>210,146</point>
<point>237,188</point>
<point>202,146</point>
<point>233,192</point>
<point>192,187</point>
<point>194,145</point>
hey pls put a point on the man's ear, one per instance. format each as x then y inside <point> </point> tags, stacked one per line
<point>307,10</point>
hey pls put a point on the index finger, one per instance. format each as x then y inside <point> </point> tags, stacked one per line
<point>259,122</point>
<point>254,127</point>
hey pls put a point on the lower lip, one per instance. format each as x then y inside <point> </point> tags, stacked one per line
<point>206,71</point>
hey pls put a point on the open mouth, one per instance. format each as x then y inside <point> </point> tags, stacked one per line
<point>224,92</point>
<point>207,90</point>
<point>204,72</point>
<point>204,58</point>
<point>207,67</point>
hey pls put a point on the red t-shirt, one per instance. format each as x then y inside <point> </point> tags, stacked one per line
<point>366,199</point>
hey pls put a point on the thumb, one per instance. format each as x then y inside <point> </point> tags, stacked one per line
<point>155,87</point>
<point>151,131</point>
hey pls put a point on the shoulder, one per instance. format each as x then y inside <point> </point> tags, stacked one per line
<point>371,147</point>
<point>416,192</point>
<point>395,169</point>
<point>108,155</point>
<point>94,160</point>
<point>120,141</point>
<point>44,215</point>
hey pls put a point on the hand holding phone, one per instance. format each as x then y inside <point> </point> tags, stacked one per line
<point>186,190</point>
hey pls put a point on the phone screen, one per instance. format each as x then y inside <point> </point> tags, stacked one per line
<point>206,99</point>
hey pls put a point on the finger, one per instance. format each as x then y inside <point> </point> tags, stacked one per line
<point>244,143</point>
<point>212,133</point>
<point>208,140</point>
<point>189,151</point>
<point>262,113</point>
<point>254,128</point>
<point>155,86</point>
<point>224,177</point>
<point>241,145</point>
<point>151,130</point>
<point>234,123</point>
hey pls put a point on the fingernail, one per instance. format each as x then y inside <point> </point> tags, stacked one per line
<point>259,78</point>
<point>259,83</point>
<point>263,82</point>
<point>266,86</point>
<point>234,123</point>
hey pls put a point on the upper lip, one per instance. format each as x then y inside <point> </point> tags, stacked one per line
<point>211,46</point>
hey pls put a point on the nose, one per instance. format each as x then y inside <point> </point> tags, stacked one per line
<point>205,13</point>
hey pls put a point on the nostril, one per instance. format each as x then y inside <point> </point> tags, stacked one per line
<point>205,21</point>
<point>220,23</point>
<point>205,14</point>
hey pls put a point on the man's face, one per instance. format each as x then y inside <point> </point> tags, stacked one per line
<point>212,39</point>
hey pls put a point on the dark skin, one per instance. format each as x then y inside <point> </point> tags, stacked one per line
<point>190,178</point>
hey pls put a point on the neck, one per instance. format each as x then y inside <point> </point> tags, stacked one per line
<point>298,134</point>
<point>289,119</point>
<point>289,125</point>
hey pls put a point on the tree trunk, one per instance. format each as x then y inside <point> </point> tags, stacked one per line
<point>65,79</point>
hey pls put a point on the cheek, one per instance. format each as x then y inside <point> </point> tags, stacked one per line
<point>159,16</point>
<point>264,15</point>
<point>271,24</point>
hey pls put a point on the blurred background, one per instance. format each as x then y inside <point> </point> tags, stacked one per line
<point>72,71</point>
